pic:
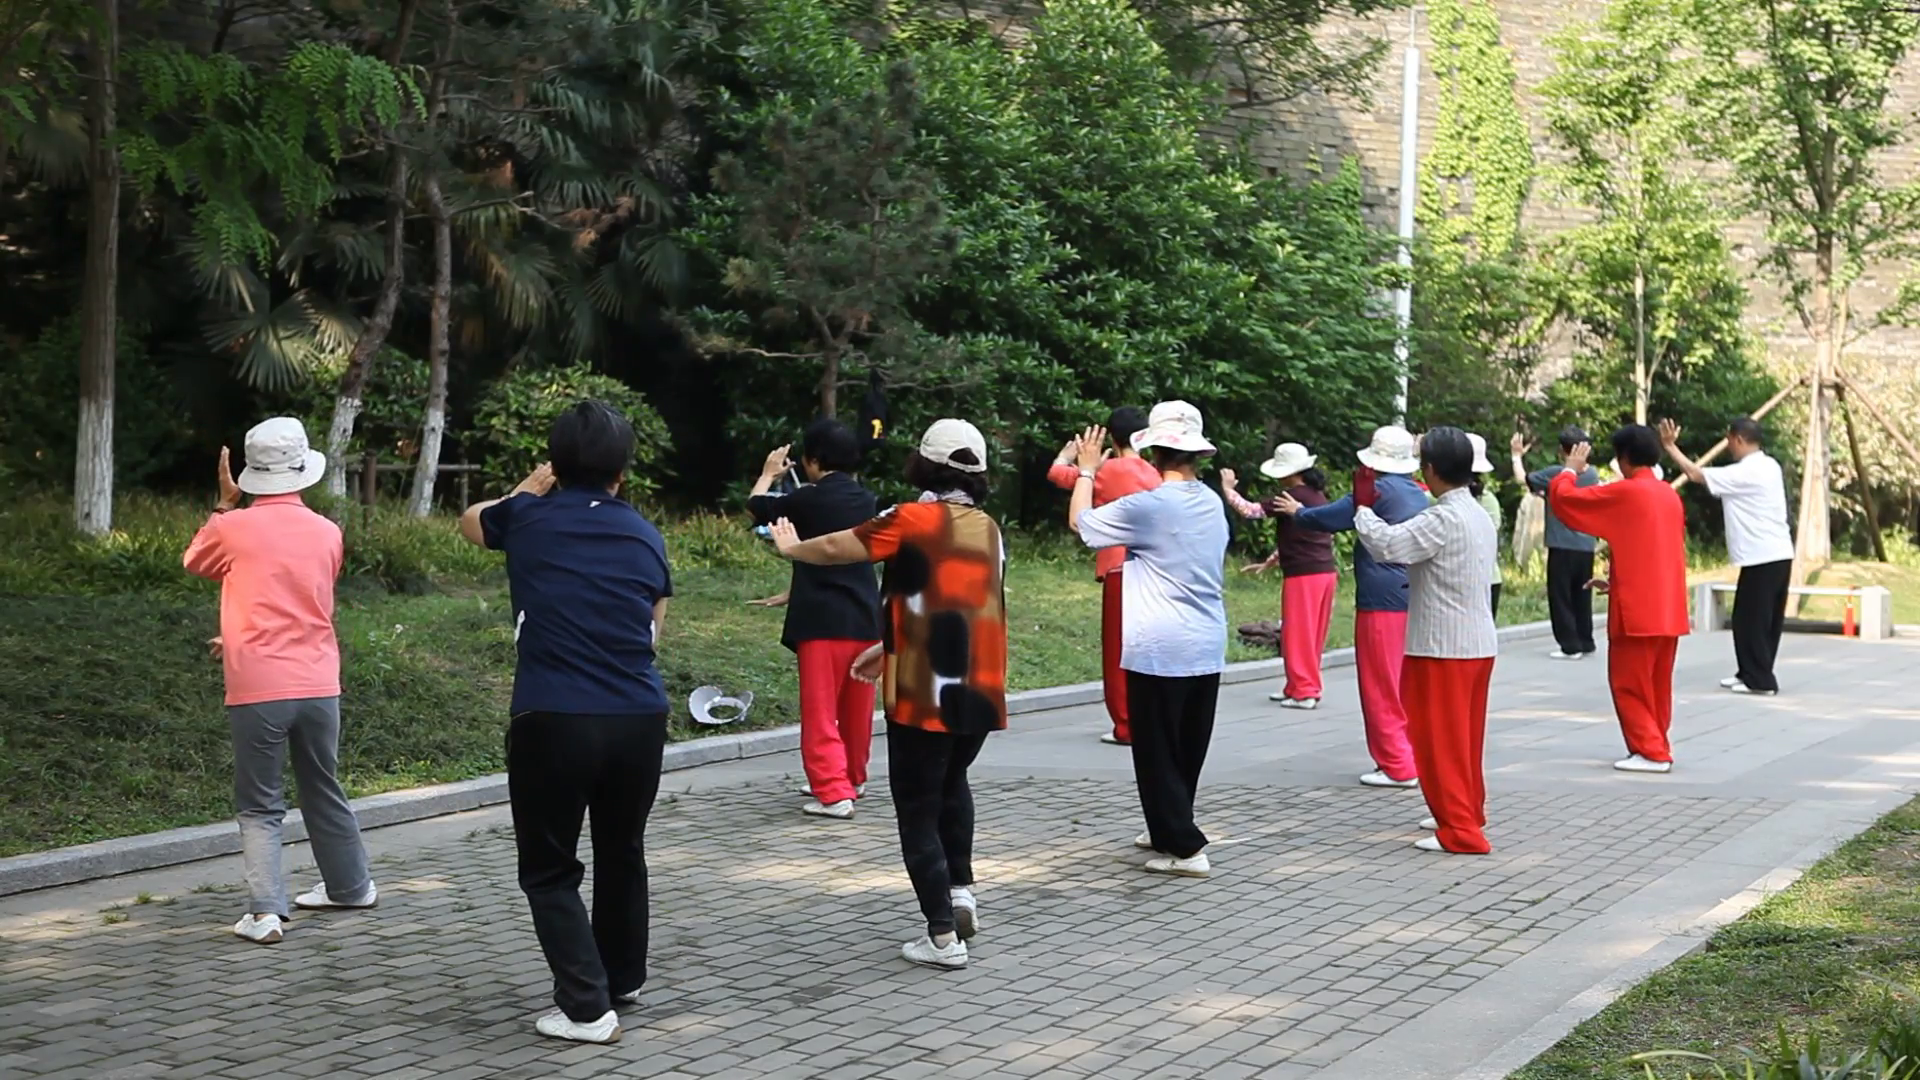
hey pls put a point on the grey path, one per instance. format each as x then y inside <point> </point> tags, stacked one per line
<point>1324,946</point>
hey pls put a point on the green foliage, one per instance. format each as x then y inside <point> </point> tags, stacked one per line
<point>389,420</point>
<point>1270,47</point>
<point>39,384</point>
<point>514,416</point>
<point>219,132</point>
<point>1476,177</point>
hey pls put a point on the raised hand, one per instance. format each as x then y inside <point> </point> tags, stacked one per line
<point>538,482</point>
<point>778,461</point>
<point>1092,449</point>
<point>1229,480</point>
<point>1577,457</point>
<point>785,537</point>
<point>1068,452</point>
<point>1669,433</point>
<point>229,491</point>
<point>1519,444</point>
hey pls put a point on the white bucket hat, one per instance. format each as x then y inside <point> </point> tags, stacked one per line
<point>279,461</point>
<point>1393,450</point>
<point>705,702</point>
<point>1174,425</point>
<point>947,438</point>
<point>1480,462</point>
<point>1289,459</point>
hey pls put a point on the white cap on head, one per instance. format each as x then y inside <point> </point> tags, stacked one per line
<point>1393,450</point>
<point>279,461</point>
<point>1174,425</point>
<point>1480,462</point>
<point>948,437</point>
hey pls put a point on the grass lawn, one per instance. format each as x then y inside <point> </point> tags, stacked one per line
<point>1835,956</point>
<point>110,713</point>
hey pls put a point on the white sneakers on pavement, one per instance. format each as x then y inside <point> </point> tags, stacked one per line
<point>966,912</point>
<point>1638,764</point>
<point>1174,866</point>
<point>1111,739</point>
<point>316,899</point>
<point>259,929</point>
<point>1144,842</point>
<point>1558,655</point>
<point>1429,824</point>
<point>806,792</point>
<point>1429,843</point>
<point>1376,778</point>
<point>556,1025</point>
<point>1739,687</point>
<point>927,952</point>
<point>840,811</point>
<point>1307,704</point>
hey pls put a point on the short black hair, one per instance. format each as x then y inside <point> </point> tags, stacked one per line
<point>940,478</point>
<point>1746,429</point>
<point>1571,436</point>
<point>831,445</point>
<point>1168,458</point>
<point>1124,423</point>
<point>590,446</point>
<point>1638,445</point>
<point>1312,477</point>
<point>1449,453</point>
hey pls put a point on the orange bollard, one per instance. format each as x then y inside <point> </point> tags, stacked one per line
<point>1847,627</point>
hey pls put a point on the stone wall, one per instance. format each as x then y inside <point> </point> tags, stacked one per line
<point>1319,132</point>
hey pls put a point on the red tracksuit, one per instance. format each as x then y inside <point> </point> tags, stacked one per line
<point>1116,479</point>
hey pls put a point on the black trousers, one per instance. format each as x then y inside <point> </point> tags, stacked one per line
<point>927,772</point>
<point>1759,615</point>
<point>1172,721</point>
<point>562,767</point>
<point>1496,599</point>
<point>1569,601</point>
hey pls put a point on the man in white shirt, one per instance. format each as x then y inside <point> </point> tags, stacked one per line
<point>1449,551</point>
<point>1753,495</point>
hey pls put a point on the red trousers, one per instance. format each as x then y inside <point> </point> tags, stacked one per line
<point>836,719</point>
<point>1640,670</point>
<point>1113,681</point>
<point>1447,722</point>
<point>1379,647</point>
<point>1306,610</point>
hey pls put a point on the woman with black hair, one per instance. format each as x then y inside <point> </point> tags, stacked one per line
<point>944,663</point>
<point>1305,557</point>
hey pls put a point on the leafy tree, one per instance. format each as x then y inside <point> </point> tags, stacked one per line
<point>1794,97</point>
<point>517,411</point>
<point>99,290</point>
<point>1647,282</point>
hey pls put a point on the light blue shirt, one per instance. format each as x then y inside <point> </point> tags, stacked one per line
<point>1173,604</point>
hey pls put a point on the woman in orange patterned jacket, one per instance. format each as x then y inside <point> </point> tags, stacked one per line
<point>944,665</point>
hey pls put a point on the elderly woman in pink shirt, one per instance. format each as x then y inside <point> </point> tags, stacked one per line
<point>276,562</point>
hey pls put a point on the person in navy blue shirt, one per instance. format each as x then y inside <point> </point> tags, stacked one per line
<point>1379,597</point>
<point>589,581</point>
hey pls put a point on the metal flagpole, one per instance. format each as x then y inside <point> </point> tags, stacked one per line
<point>1409,191</point>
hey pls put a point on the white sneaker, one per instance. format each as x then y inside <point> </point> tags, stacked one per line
<point>859,791</point>
<point>318,900</point>
<point>1428,843</point>
<point>1429,824</point>
<point>1308,704</point>
<point>1111,739</point>
<point>556,1025</point>
<point>840,811</point>
<point>966,913</point>
<point>1636,763</point>
<point>631,997</point>
<point>924,951</point>
<point>1729,682</point>
<point>1376,778</point>
<point>1197,866</point>
<point>1558,655</point>
<point>259,929</point>
<point>806,792</point>
<point>1739,687</point>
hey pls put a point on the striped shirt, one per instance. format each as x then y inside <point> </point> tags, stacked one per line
<point>1449,549</point>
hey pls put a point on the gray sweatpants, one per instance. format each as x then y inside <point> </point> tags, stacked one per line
<point>261,736</point>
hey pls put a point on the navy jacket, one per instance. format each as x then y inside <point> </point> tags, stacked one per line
<point>1377,586</point>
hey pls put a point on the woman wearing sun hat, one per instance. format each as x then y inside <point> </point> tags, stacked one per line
<point>1385,482</point>
<point>1174,622</point>
<point>276,562</point>
<point>1305,557</point>
<point>944,665</point>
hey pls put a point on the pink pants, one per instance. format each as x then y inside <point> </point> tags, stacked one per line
<point>1379,649</point>
<point>1306,609</point>
<point>836,719</point>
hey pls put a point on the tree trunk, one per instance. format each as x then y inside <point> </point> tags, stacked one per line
<point>347,401</point>
<point>427,468</point>
<point>830,383</point>
<point>99,320</point>
<point>1642,378</point>
<point>1814,544</point>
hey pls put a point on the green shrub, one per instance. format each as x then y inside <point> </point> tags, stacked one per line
<point>513,417</point>
<point>39,384</point>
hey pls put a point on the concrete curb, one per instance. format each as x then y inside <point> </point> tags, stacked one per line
<point>130,854</point>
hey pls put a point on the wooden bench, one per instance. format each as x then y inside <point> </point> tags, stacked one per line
<point>1873,606</point>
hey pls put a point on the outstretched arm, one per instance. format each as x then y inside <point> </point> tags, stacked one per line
<point>1585,509</point>
<point>1417,539</point>
<point>1670,438</point>
<point>1336,516</point>
<point>842,548</point>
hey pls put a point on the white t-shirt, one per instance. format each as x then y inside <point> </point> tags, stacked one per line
<point>1753,495</point>
<point>1173,607</point>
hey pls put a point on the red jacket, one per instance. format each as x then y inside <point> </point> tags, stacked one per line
<point>1116,478</point>
<point>1642,521</point>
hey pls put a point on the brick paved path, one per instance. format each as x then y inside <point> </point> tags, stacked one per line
<point>1324,944</point>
